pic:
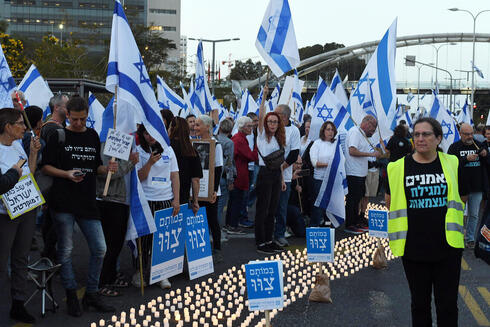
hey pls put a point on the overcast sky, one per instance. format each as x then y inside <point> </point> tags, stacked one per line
<point>348,22</point>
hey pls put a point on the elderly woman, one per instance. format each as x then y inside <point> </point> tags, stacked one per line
<point>16,234</point>
<point>425,224</point>
<point>204,130</point>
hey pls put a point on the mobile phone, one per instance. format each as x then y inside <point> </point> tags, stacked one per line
<point>303,172</point>
<point>78,174</point>
<point>21,162</point>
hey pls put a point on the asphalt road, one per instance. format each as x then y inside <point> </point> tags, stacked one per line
<point>368,297</point>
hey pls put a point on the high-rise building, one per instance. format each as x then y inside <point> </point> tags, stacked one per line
<point>89,20</point>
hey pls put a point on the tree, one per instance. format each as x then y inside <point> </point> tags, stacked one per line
<point>152,46</point>
<point>14,53</point>
<point>247,70</point>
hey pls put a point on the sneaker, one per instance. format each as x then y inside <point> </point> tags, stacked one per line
<point>246,223</point>
<point>265,249</point>
<point>363,227</point>
<point>470,244</point>
<point>164,284</point>
<point>274,247</point>
<point>136,281</point>
<point>225,228</point>
<point>288,233</point>
<point>224,237</point>
<point>353,230</point>
<point>281,242</point>
<point>235,231</point>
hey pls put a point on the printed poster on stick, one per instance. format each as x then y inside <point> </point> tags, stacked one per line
<point>23,197</point>
<point>264,285</point>
<point>118,144</point>
<point>378,223</point>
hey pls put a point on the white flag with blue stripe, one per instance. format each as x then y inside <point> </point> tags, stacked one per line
<point>7,82</point>
<point>338,89</point>
<point>276,40</point>
<point>334,188</point>
<point>168,99</point>
<point>141,221</point>
<point>36,90</point>
<point>296,103</point>
<point>450,133</point>
<point>126,70</point>
<point>477,70</point>
<point>201,98</point>
<point>378,85</point>
<point>95,113</point>
<point>465,115</point>
<point>273,100</point>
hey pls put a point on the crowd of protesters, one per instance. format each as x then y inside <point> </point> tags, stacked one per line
<point>262,163</point>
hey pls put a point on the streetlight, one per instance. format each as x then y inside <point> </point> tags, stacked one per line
<point>474,40</point>
<point>61,29</point>
<point>437,54</point>
<point>214,44</point>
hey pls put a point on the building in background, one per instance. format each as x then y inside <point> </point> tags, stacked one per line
<point>89,20</point>
<point>183,55</point>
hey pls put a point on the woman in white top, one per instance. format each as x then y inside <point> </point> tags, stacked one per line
<point>271,136</point>
<point>158,172</point>
<point>16,234</point>
<point>321,154</point>
<point>204,130</point>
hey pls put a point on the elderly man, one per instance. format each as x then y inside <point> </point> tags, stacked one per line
<point>242,156</point>
<point>473,171</point>
<point>57,105</point>
<point>356,167</point>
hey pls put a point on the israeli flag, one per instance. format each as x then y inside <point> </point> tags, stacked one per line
<point>248,104</point>
<point>450,133</point>
<point>397,117</point>
<point>408,119</point>
<point>202,96</point>
<point>126,70</point>
<point>95,113</point>
<point>322,86</point>
<point>378,85</point>
<point>337,88</point>
<point>276,40</point>
<point>477,70</point>
<point>334,188</point>
<point>141,221</point>
<point>410,97</point>
<point>36,90</point>
<point>107,120</point>
<point>7,82</point>
<point>465,116</point>
<point>488,118</point>
<point>273,101</point>
<point>296,102</point>
<point>327,108</point>
<point>168,99</point>
<point>259,98</point>
<point>189,109</point>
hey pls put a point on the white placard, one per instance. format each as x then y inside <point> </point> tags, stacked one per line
<point>23,197</point>
<point>118,144</point>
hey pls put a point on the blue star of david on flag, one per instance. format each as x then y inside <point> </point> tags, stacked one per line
<point>199,83</point>
<point>141,66</point>
<point>327,109</point>
<point>5,76</point>
<point>449,131</point>
<point>357,93</point>
<point>90,122</point>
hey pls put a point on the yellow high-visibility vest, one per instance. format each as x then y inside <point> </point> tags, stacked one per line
<point>397,217</point>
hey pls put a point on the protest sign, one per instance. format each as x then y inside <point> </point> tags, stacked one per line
<point>167,258</point>
<point>378,223</point>
<point>320,244</point>
<point>199,257</point>
<point>23,197</point>
<point>264,285</point>
<point>118,144</point>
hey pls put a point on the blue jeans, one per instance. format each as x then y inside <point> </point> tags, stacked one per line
<point>222,200</point>
<point>282,212</point>
<point>474,200</point>
<point>92,230</point>
<point>317,213</point>
<point>235,206</point>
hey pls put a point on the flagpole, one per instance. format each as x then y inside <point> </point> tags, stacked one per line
<point>26,120</point>
<point>141,267</point>
<point>113,159</point>
<point>365,137</point>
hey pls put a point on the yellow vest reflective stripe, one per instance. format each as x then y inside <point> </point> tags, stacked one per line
<point>397,217</point>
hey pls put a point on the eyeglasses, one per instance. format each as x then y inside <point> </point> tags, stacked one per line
<point>423,134</point>
<point>273,122</point>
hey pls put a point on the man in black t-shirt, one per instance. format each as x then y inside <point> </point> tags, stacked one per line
<point>74,165</point>
<point>472,156</point>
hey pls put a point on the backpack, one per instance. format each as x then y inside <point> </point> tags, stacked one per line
<point>45,181</point>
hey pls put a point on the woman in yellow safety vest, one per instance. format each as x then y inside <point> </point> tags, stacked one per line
<point>425,224</point>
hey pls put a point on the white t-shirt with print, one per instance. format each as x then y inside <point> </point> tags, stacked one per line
<point>356,166</point>
<point>9,156</point>
<point>158,186</point>
<point>293,142</point>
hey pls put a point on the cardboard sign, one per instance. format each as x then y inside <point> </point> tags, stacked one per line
<point>118,144</point>
<point>198,247</point>
<point>23,197</point>
<point>378,223</point>
<point>167,257</point>
<point>264,285</point>
<point>320,244</point>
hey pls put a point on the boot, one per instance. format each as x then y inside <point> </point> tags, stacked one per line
<point>94,300</point>
<point>18,312</point>
<point>72,303</point>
